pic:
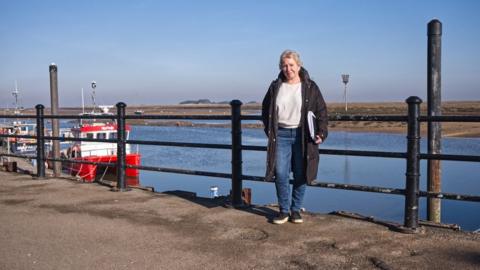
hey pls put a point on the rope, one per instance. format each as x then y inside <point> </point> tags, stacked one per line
<point>106,169</point>
<point>89,172</point>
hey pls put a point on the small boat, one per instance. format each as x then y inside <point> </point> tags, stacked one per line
<point>16,127</point>
<point>22,146</point>
<point>98,152</point>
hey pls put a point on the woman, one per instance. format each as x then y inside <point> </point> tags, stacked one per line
<point>290,147</point>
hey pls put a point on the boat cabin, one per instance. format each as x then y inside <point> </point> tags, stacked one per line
<point>99,130</point>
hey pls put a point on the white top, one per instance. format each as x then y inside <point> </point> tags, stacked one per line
<point>289,105</point>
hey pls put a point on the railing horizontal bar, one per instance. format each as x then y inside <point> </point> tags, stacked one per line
<point>450,118</point>
<point>251,117</point>
<point>173,117</point>
<point>450,196</point>
<point>363,153</point>
<point>340,152</point>
<point>23,116</point>
<point>244,147</point>
<point>107,164</point>
<point>254,178</point>
<point>379,118</point>
<point>18,136</point>
<point>384,190</point>
<point>450,157</point>
<point>181,171</point>
<point>77,116</point>
<point>16,155</point>
<point>181,144</point>
<point>339,186</point>
<point>254,148</point>
<point>374,189</point>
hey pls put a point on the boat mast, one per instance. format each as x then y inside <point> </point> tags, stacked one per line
<point>83,103</point>
<point>83,108</point>
<point>15,95</point>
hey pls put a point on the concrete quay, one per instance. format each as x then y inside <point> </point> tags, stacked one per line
<point>60,223</point>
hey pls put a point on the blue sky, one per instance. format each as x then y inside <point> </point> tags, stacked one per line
<point>163,52</point>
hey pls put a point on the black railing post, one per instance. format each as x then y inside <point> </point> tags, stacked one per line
<point>236,153</point>
<point>40,142</point>
<point>413,163</point>
<point>121,147</point>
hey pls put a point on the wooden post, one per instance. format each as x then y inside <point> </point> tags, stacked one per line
<point>434,105</point>
<point>57,166</point>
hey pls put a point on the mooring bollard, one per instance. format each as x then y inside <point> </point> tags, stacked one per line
<point>434,108</point>
<point>57,166</point>
<point>413,163</point>
<point>40,142</point>
<point>236,154</point>
<point>121,151</point>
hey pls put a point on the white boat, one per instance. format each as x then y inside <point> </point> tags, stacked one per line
<point>98,151</point>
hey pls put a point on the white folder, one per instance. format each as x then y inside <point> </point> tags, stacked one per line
<point>312,124</point>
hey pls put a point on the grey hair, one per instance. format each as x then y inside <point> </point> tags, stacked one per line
<point>290,54</point>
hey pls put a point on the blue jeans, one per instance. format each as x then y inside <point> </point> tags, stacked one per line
<point>289,158</point>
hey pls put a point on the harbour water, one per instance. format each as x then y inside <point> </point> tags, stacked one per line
<point>457,177</point>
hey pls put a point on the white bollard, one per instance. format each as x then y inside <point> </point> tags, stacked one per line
<point>213,192</point>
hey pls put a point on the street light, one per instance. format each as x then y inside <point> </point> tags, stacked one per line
<point>345,81</point>
<point>347,163</point>
<point>94,85</point>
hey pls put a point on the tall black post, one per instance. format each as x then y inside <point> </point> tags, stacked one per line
<point>40,141</point>
<point>236,153</point>
<point>434,103</point>
<point>121,147</point>
<point>57,166</point>
<point>413,163</point>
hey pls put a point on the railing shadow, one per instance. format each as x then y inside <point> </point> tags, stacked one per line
<point>222,201</point>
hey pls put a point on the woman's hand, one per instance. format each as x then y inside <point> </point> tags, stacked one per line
<point>318,139</point>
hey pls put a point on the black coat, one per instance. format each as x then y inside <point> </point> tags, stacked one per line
<point>312,100</point>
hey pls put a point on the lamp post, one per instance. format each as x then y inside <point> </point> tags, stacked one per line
<point>347,163</point>
<point>345,81</point>
<point>94,85</point>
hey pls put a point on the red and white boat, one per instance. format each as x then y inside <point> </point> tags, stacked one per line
<point>99,152</point>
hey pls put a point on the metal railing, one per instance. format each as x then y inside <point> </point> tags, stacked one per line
<point>412,155</point>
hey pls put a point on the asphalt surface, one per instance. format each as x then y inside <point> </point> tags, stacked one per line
<point>65,224</point>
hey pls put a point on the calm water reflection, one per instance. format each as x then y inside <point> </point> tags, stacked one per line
<point>457,177</point>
